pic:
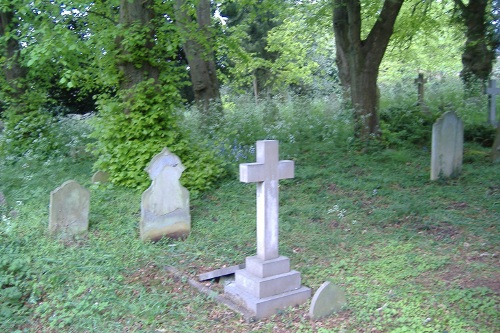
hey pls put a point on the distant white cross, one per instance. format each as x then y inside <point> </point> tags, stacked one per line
<point>266,173</point>
<point>492,92</point>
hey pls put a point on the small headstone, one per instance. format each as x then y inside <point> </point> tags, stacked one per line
<point>447,146</point>
<point>3,201</point>
<point>100,177</point>
<point>495,151</point>
<point>492,92</point>
<point>69,210</point>
<point>328,299</point>
<point>165,204</point>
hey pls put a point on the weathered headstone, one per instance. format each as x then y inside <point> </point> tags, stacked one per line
<point>267,284</point>
<point>420,81</point>
<point>69,210</point>
<point>328,299</point>
<point>492,92</point>
<point>100,177</point>
<point>165,204</point>
<point>495,151</point>
<point>447,146</point>
<point>3,201</point>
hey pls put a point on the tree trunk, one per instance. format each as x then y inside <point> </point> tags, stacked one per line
<point>198,48</point>
<point>479,51</point>
<point>359,60</point>
<point>136,15</point>
<point>12,69</point>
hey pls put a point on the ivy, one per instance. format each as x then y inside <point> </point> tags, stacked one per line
<point>127,141</point>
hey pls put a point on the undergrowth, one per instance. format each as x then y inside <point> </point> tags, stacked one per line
<point>412,255</point>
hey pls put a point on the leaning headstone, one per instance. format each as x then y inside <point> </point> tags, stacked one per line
<point>69,210</point>
<point>100,177</point>
<point>492,92</point>
<point>328,299</point>
<point>447,146</point>
<point>267,284</point>
<point>165,204</point>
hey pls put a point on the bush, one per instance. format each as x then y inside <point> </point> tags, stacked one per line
<point>37,134</point>
<point>127,141</point>
<point>405,125</point>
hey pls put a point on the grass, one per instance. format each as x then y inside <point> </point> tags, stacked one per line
<point>412,255</point>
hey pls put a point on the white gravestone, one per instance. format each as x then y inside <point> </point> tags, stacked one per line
<point>447,146</point>
<point>492,92</point>
<point>165,204</point>
<point>69,210</point>
<point>267,284</point>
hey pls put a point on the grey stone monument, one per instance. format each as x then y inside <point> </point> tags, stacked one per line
<point>328,299</point>
<point>267,284</point>
<point>69,210</point>
<point>100,177</point>
<point>447,146</point>
<point>165,204</point>
<point>492,92</point>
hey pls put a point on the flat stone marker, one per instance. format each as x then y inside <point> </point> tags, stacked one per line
<point>220,272</point>
<point>267,284</point>
<point>165,204</point>
<point>69,210</point>
<point>447,146</point>
<point>328,299</point>
<point>492,92</point>
<point>100,177</point>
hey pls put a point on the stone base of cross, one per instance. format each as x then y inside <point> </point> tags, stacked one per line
<point>267,284</point>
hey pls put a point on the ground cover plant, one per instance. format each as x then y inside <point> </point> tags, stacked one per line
<point>412,255</point>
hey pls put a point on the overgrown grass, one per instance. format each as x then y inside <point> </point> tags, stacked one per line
<point>411,254</point>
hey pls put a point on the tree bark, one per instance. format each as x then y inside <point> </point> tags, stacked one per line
<point>133,60</point>
<point>200,55</point>
<point>479,51</point>
<point>359,60</point>
<point>12,69</point>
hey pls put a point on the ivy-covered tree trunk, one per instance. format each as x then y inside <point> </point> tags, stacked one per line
<point>198,48</point>
<point>12,69</point>
<point>358,60</point>
<point>479,50</point>
<point>134,59</point>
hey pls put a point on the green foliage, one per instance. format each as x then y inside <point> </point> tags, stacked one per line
<point>127,140</point>
<point>38,134</point>
<point>401,126</point>
<point>15,279</point>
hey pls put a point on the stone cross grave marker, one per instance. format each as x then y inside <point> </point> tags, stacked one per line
<point>165,204</point>
<point>267,284</point>
<point>447,146</point>
<point>492,92</point>
<point>69,210</point>
<point>266,173</point>
<point>420,81</point>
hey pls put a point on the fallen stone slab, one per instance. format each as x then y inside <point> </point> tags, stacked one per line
<point>220,272</point>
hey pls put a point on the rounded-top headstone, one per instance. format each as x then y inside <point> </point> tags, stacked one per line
<point>328,299</point>
<point>100,177</point>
